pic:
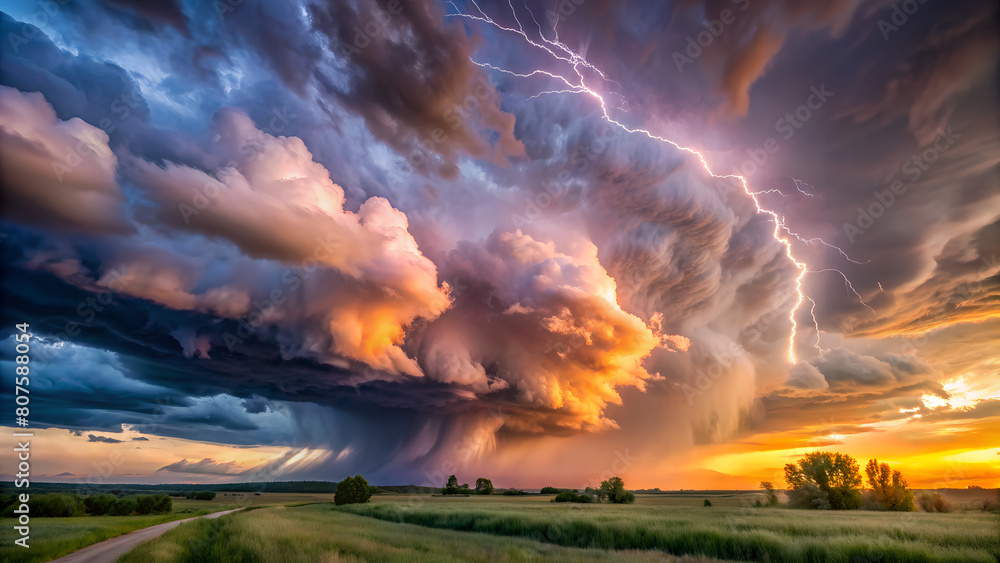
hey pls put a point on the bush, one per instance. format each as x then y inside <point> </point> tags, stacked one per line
<point>514,492</point>
<point>933,502</point>
<point>201,495</point>
<point>571,496</point>
<point>352,490</point>
<point>549,491</point>
<point>707,503</point>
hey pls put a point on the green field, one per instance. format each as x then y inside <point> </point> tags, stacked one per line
<point>658,527</point>
<point>321,533</point>
<point>55,537</point>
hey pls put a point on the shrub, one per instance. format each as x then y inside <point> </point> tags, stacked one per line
<point>484,486</point>
<point>352,490</point>
<point>514,492</point>
<point>597,493</point>
<point>933,502</point>
<point>571,496</point>
<point>707,503</point>
<point>824,480</point>
<point>201,495</point>
<point>549,491</point>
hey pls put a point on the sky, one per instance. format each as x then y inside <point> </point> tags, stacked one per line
<point>544,242</point>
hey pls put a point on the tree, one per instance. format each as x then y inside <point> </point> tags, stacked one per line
<point>888,489</point>
<point>551,491</point>
<point>824,480</point>
<point>770,496</point>
<point>614,490</point>
<point>707,503</point>
<point>124,507</point>
<point>484,486</point>
<point>99,505</point>
<point>451,487</point>
<point>352,490</point>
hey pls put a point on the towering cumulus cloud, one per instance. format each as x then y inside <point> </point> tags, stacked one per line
<point>415,238</point>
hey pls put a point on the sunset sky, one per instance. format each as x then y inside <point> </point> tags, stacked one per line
<point>543,242</point>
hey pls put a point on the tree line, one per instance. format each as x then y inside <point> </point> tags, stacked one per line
<point>833,481</point>
<point>54,505</point>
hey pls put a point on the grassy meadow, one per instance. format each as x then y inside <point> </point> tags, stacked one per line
<point>678,524</point>
<point>669,527</point>
<point>320,533</point>
<point>55,537</point>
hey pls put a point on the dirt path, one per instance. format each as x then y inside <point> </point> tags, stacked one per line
<point>110,550</point>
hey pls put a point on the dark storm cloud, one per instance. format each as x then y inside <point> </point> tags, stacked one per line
<point>104,439</point>
<point>636,251</point>
<point>411,78</point>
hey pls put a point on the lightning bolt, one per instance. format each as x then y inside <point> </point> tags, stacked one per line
<point>577,84</point>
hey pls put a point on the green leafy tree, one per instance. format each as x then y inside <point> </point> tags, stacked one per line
<point>484,486</point>
<point>550,491</point>
<point>99,505</point>
<point>888,489</point>
<point>770,495</point>
<point>614,490</point>
<point>352,490</point>
<point>707,503</point>
<point>824,480</point>
<point>451,487</point>
<point>124,507</point>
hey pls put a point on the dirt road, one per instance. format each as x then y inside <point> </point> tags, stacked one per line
<point>110,550</point>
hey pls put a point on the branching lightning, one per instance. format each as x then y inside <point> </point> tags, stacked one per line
<point>578,85</point>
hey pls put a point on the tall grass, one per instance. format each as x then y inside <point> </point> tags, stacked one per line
<point>749,534</point>
<point>317,533</point>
